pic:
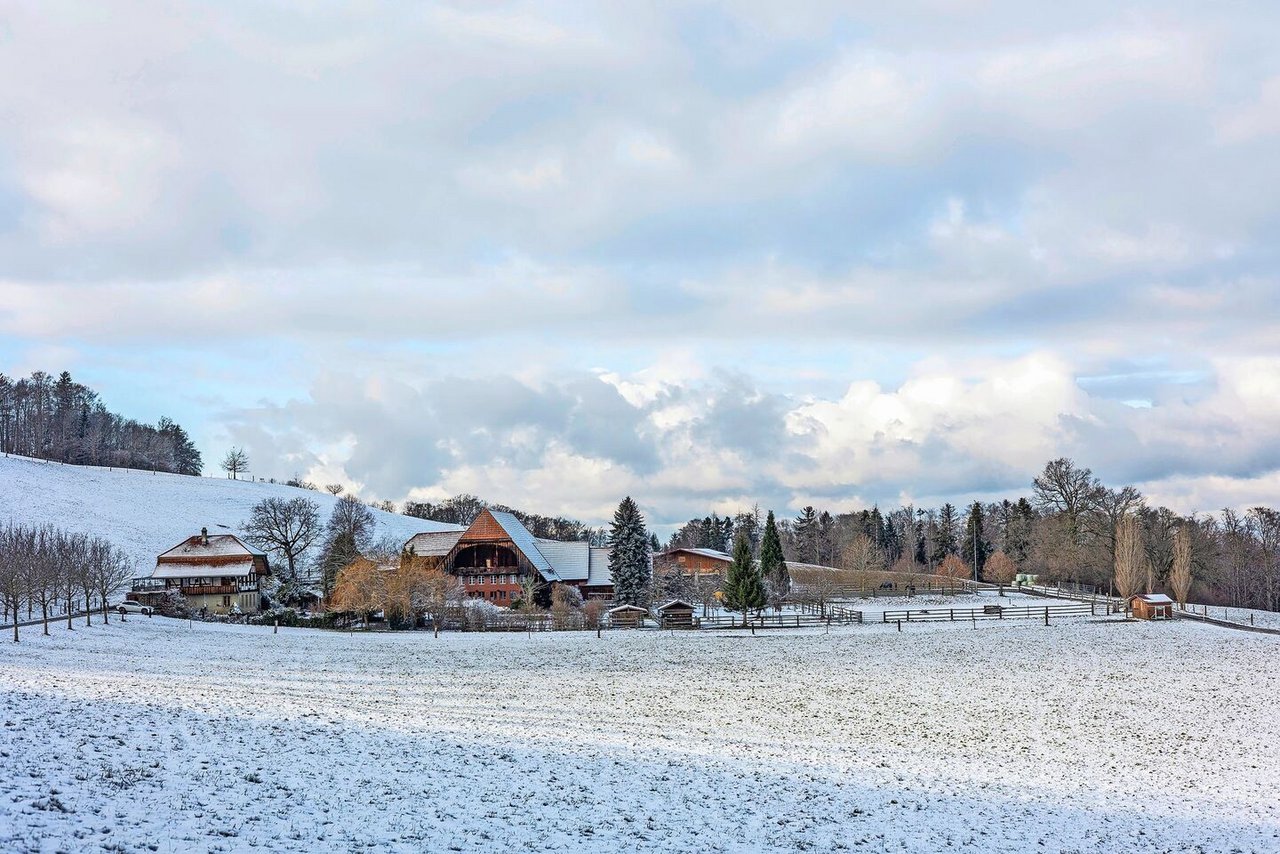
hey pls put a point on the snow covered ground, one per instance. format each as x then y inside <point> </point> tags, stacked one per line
<point>1088,735</point>
<point>146,514</point>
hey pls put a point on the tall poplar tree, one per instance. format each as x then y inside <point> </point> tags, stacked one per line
<point>629,560</point>
<point>773,565</point>
<point>743,588</point>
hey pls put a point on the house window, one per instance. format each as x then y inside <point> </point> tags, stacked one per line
<point>226,601</point>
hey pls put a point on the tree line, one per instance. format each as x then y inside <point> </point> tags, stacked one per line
<point>63,420</point>
<point>55,572</point>
<point>1064,530</point>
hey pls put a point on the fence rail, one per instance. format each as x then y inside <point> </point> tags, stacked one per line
<point>990,612</point>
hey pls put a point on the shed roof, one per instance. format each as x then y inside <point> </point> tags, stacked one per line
<point>1153,598</point>
<point>675,603</point>
<point>434,543</point>
<point>627,608</point>
<point>710,553</point>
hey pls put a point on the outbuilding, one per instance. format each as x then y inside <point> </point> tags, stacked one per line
<point>1151,606</point>
<point>627,617</point>
<point>676,614</point>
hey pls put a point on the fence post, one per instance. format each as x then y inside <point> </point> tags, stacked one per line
<point>1046,615</point>
<point>899,625</point>
<point>953,614</point>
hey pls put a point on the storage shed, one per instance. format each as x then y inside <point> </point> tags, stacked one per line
<point>1151,606</point>
<point>676,614</point>
<point>627,617</point>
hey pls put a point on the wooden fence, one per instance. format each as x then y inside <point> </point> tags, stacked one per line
<point>992,612</point>
<point>795,620</point>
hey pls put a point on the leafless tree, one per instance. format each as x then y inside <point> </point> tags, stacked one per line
<point>110,570</point>
<point>287,527</point>
<point>1131,558</point>
<point>1001,569</point>
<point>334,489</point>
<point>1180,575</point>
<point>235,463</point>
<point>862,555</point>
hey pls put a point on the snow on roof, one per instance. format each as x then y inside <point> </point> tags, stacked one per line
<point>674,603</point>
<point>1154,598</point>
<point>571,559</point>
<point>626,608</point>
<point>598,575</point>
<point>202,570</point>
<point>219,545</point>
<point>434,543</point>
<point>524,541</point>
<point>711,553</point>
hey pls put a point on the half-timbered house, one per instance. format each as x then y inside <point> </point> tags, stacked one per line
<point>219,573</point>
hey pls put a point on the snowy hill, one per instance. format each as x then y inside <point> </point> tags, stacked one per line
<point>145,513</point>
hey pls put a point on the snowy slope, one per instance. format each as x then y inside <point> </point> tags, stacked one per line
<point>145,513</point>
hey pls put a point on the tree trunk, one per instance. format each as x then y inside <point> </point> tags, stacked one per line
<point>70,610</point>
<point>44,614</point>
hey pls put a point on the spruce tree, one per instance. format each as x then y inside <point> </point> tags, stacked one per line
<point>773,566</point>
<point>974,549</point>
<point>805,536</point>
<point>629,561</point>
<point>743,588</point>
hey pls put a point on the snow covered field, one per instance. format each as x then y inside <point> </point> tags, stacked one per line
<point>146,514</point>
<point>1083,736</point>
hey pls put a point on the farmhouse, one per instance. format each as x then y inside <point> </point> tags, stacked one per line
<point>1151,606</point>
<point>496,556</point>
<point>691,562</point>
<point>218,572</point>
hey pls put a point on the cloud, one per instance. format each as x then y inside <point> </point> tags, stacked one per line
<point>710,251</point>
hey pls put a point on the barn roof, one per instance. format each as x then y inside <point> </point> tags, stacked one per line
<point>1153,598</point>
<point>219,546</point>
<point>599,574</point>
<point>571,559</point>
<point>525,541</point>
<point>675,603</point>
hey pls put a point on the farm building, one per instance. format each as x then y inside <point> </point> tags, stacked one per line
<point>676,614</point>
<point>627,617</point>
<point>217,572</point>
<point>1151,606</point>
<point>692,562</point>
<point>496,555</point>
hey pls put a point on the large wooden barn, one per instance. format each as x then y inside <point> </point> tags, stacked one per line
<point>496,554</point>
<point>219,573</point>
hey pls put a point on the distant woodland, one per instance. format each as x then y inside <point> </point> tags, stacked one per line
<point>60,419</point>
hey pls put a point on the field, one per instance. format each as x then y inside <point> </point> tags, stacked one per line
<point>157,735</point>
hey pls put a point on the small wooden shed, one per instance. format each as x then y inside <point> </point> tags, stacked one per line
<point>627,617</point>
<point>1151,606</point>
<point>676,614</point>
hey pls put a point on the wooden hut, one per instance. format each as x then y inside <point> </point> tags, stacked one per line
<point>676,614</point>
<point>627,617</point>
<point>1151,606</point>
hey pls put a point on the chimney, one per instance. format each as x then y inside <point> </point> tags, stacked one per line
<point>204,536</point>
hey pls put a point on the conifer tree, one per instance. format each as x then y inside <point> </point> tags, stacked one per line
<point>974,549</point>
<point>629,561</point>
<point>743,588</point>
<point>773,566</point>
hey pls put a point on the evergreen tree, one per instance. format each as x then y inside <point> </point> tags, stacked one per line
<point>629,559</point>
<point>805,536</point>
<point>743,588</point>
<point>945,536</point>
<point>773,566</point>
<point>974,549</point>
<point>922,545</point>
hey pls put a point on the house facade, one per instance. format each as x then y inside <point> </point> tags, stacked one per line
<point>216,572</point>
<point>691,562</point>
<point>496,557</point>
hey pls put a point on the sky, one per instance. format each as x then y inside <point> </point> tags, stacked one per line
<point>707,254</point>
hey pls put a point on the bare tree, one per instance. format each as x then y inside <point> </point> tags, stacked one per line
<point>13,574</point>
<point>1180,575</point>
<point>1001,569</point>
<point>861,554</point>
<point>334,489</point>
<point>287,527</point>
<point>1131,558</point>
<point>111,570</point>
<point>236,462</point>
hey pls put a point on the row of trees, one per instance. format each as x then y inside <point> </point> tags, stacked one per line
<point>464,508</point>
<point>60,419</point>
<point>46,568</point>
<point>1065,530</point>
